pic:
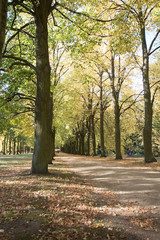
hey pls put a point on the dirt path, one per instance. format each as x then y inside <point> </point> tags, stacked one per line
<point>137,190</point>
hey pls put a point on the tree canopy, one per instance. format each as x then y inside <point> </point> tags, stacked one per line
<point>69,69</point>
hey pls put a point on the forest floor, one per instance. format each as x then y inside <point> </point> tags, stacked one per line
<point>82,198</point>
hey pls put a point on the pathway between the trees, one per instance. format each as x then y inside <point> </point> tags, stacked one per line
<point>137,185</point>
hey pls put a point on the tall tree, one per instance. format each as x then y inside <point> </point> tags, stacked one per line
<point>43,105</point>
<point>103,103</point>
<point>118,71</point>
<point>3,19</point>
<point>140,12</point>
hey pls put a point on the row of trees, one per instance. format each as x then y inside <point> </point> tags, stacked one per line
<point>32,32</point>
<point>93,116</point>
<point>16,133</point>
<point>12,144</point>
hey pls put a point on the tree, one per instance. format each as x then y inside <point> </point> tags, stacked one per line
<point>104,101</point>
<point>43,105</point>
<point>118,72</point>
<point>140,12</point>
<point>58,71</point>
<point>3,19</point>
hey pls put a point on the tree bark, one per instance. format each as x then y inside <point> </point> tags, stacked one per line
<point>115,95</point>
<point>147,133</point>
<point>51,140</point>
<point>88,124</point>
<point>82,136</point>
<point>76,147</point>
<point>54,135</point>
<point>117,131</point>
<point>101,119</point>
<point>4,146</point>
<point>3,20</point>
<point>43,114</point>
<point>14,146</point>
<point>82,144</point>
<point>93,135</point>
<point>18,145</point>
<point>10,146</point>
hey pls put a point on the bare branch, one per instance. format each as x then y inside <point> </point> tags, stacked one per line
<point>149,12</point>
<point>84,14</point>
<point>134,101</point>
<point>14,35</point>
<point>20,3</point>
<point>136,60</point>
<point>154,94</point>
<point>154,50</point>
<point>154,39</point>
<point>21,60</point>
<point>53,7</point>
<point>22,31</point>
<point>73,22</point>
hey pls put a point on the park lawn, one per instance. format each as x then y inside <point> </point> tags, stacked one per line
<point>58,205</point>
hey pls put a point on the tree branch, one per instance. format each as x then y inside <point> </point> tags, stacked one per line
<point>72,22</point>
<point>154,39</point>
<point>84,14</point>
<point>14,35</point>
<point>154,94</point>
<point>154,50</point>
<point>149,12</point>
<point>20,3</point>
<point>22,61</point>
<point>134,101</point>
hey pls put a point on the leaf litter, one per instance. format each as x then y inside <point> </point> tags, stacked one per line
<point>59,205</point>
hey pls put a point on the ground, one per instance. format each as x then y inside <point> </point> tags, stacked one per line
<point>136,187</point>
<point>81,198</point>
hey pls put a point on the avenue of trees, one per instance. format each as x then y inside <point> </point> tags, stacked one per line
<point>83,74</point>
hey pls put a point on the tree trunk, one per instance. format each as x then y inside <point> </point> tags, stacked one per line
<point>4,146</point>
<point>17,145</point>
<point>82,136</point>
<point>20,146</point>
<point>101,120</point>
<point>115,95</point>
<point>14,146</point>
<point>79,145</point>
<point>54,135</point>
<point>93,135</point>
<point>147,133</point>
<point>10,145</point>
<point>76,147</point>
<point>6,141</point>
<point>51,141</point>
<point>88,124</point>
<point>3,19</point>
<point>43,114</point>
<point>117,131</point>
<point>82,144</point>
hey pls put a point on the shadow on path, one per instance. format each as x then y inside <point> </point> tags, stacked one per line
<point>138,185</point>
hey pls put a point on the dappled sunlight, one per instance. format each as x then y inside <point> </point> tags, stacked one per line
<point>63,206</point>
<point>136,187</point>
<point>55,203</point>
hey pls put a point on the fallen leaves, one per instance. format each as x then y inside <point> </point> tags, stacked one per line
<point>60,206</point>
<point>56,206</point>
<point>147,223</point>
